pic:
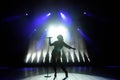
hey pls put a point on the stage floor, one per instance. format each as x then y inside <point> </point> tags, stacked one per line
<point>75,73</point>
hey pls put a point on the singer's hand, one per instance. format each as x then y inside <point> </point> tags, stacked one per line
<point>49,37</point>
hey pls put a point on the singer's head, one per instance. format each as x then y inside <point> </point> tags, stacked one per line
<point>60,37</point>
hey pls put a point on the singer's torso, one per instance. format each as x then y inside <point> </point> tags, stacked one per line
<point>56,53</point>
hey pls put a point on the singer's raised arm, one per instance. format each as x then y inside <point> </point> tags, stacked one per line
<point>50,42</point>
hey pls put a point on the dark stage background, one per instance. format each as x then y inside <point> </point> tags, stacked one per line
<point>101,27</point>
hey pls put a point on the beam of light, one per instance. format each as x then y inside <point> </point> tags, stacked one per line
<point>72,56</point>
<point>88,14</point>
<point>41,19</point>
<point>84,12</point>
<point>40,40</point>
<point>65,19</point>
<point>87,56</point>
<point>82,54</point>
<point>41,56</point>
<point>48,14</point>
<point>84,36</point>
<point>35,29</point>
<point>26,14</point>
<point>35,24</point>
<point>33,57</point>
<point>44,55</point>
<point>77,55</point>
<point>63,16</point>
<point>38,56</point>
<point>28,57</point>
<point>49,56</point>
<point>67,57</point>
<point>36,46</point>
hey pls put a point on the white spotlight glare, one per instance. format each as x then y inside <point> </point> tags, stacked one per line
<point>55,30</point>
<point>48,14</point>
<point>38,56</point>
<point>28,57</point>
<point>62,15</point>
<point>33,56</point>
<point>84,12</point>
<point>26,14</point>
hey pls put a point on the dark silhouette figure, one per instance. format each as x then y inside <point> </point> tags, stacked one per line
<point>56,53</point>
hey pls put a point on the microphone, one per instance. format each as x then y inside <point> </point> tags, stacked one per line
<point>48,37</point>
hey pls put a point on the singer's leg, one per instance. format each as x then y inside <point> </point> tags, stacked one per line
<point>53,60</point>
<point>55,71</point>
<point>66,73</point>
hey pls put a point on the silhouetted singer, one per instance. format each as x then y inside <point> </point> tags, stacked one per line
<point>56,53</point>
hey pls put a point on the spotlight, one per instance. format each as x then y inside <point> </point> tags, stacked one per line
<point>63,16</point>
<point>35,30</point>
<point>28,57</point>
<point>26,14</point>
<point>33,57</point>
<point>84,12</point>
<point>48,14</point>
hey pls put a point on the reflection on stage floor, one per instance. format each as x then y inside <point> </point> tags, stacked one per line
<point>75,73</point>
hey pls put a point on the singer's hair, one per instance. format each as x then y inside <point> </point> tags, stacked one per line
<point>60,37</point>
